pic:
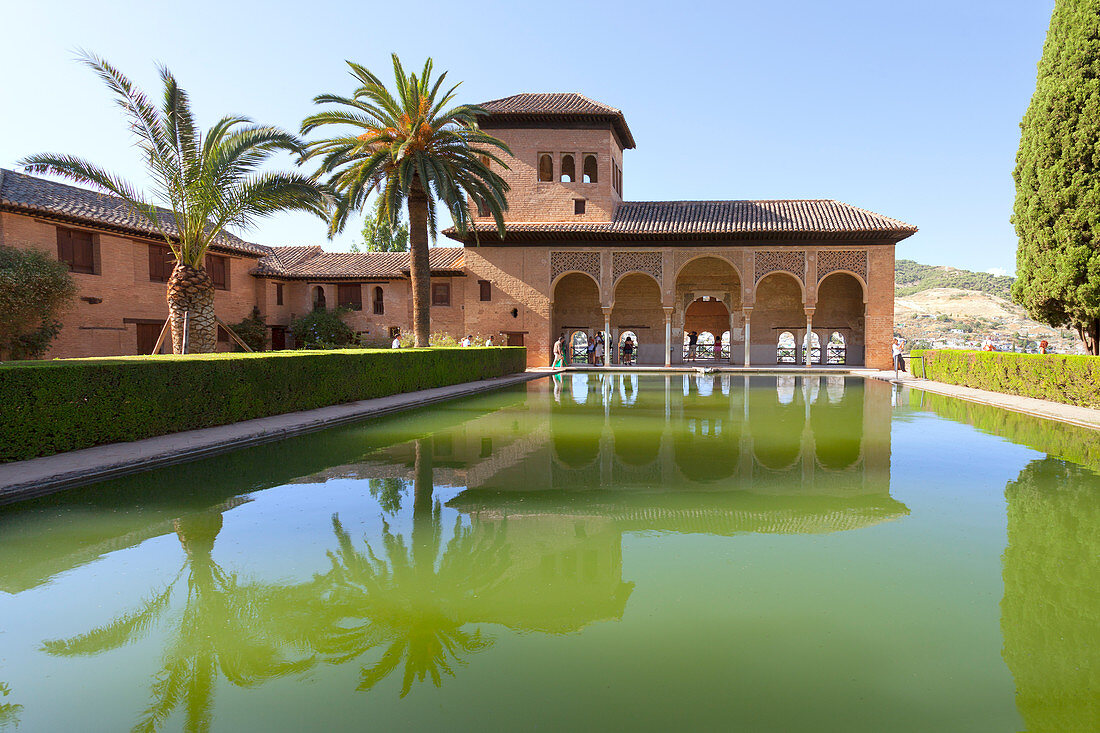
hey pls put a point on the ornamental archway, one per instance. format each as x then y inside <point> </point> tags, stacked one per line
<point>637,308</point>
<point>841,305</point>
<point>708,299</point>
<point>576,307</point>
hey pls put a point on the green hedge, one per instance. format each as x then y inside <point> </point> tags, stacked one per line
<point>1073,380</point>
<point>53,406</point>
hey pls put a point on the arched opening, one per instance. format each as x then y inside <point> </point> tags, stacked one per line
<point>576,307</point>
<point>811,349</point>
<point>379,304</point>
<point>840,311</point>
<point>785,349</point>
<point>546,168</point>
<point>590,169</point>
<point>578,347</point>
<point>836,352</point>
<point>638,311</point>
<point>707,288</point>
<point>319,298</point>
<point>628,347</point>
<point>778,308</point>
<point>568,169</point>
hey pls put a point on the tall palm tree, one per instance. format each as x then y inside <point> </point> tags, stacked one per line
<point>412,149</point>
<point>206,182</point>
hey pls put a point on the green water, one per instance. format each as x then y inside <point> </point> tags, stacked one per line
<point>599,553</point>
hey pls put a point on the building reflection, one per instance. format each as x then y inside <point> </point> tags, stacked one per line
<point>1050,614</point>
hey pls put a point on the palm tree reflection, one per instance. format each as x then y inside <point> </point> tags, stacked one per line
<point>9,712</point>
<point>412,599</point>
<point>225,626</point>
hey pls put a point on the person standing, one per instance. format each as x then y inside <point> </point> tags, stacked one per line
<point>590,349</point>
<point>899,361</point>
<point>693,344</point>
<point>628,351</point>
<point>489,341</point>
<point>559,348</point>
<point>396,343</point>
<point>598,354</point>
<point>1043,345</point>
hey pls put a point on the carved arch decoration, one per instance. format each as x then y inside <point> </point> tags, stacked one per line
<point>574,261</point>
<point>648,262</point>
<point>832,260</point>
<point>792,261</point>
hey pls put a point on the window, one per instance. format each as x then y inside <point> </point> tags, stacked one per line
<point>486,290</point>
<point>379,305</point>
<point>350,296</point>
<point>161,263</point>
<point>319,303</point>
<point>590,169</point>
<point>395,331</point>
<point>568,169</point>
<point>217,268</point>
<point>546,167</point>
<point>482,207</point>
<point>441,293</point>
<point>278,293</point>
<point>484,160</point>
<point>578,206</point>
<point>76,249</point>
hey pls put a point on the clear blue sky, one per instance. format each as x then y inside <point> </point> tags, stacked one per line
<point>908,109</point>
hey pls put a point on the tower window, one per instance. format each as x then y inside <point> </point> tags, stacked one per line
<point>486,290</point>
<point>590,169</point>
<point>568,169</point>
<point>482,207</point>
<point>578,206</point>
<point>546,167</point>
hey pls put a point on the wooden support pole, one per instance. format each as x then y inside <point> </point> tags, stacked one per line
<point>233,335</point>
<point>163,333</point>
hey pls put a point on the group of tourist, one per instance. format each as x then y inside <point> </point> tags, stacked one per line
<point>468,340</point>
<point>693,350</point>
<point>594,350</point>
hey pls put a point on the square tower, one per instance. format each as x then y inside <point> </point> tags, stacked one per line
<point>567,156</point>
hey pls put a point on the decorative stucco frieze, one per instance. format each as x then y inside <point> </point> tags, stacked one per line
<point>647,262</point>
<point>792,261</point>
<point>574,261</point>
<point>831,260</point>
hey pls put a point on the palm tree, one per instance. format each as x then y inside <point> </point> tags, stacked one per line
<point>412,149</point>
<point>207,182</point>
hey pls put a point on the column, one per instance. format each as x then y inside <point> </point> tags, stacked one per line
<point>731,336</point>
<point>668,335</point>
<point>748,314</point>
<point>809,336</point>
<point>607,347</point>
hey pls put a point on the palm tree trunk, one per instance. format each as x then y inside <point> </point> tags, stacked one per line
<point>191,291</point>
<point>419,271</point>
<point>424,528</point>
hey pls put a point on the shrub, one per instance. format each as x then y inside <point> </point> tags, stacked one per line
<point>322,329</point>
<point>34,290</point>
<point>61,405</point>
<point>1073,380</point>
<point>252,330</point>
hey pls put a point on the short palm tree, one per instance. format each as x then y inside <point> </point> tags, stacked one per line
<point>206,183</point>
<point>413,150</point>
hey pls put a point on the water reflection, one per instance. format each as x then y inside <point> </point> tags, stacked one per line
<point>1050,614</point>
<point>9,711</point>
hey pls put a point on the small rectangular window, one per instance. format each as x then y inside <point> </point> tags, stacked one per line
<point>161,262</point>
<point>76,249</point>
<point>350,296</point>
<point>379,302</point>
<point>278,293</point>
<point>578,206</point>
<point>217,267</point>
<point>486,290</point>
<point>441,293</point>
<point>482,207</point>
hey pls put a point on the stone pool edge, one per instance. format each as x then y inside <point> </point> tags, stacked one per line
<point>1082,417</point>
<point>22,480</point>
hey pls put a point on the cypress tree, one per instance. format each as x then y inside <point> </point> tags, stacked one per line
<point>1057,209</point>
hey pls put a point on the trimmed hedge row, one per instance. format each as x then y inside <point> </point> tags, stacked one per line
<point>48,407</point>
<point>1072,380</point>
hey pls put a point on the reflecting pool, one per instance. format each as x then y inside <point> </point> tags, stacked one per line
<point>594,552</point>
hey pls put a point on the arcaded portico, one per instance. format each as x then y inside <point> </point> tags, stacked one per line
<point>741,282</point>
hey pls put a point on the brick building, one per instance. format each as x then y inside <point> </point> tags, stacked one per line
<point>760,279</point>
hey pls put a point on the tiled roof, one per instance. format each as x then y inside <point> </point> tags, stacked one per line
<point>719,220</point>
<point>559,106</point>
<point>309,263</point>
<point>33,195</point>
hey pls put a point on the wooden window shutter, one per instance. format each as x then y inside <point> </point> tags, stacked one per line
<point>350,295</point>
<point>65,246</point>
<point>83,255</point>
<point>486,290</point>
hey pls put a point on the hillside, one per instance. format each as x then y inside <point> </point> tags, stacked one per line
<point>912,277</point>
<point>950,308</point>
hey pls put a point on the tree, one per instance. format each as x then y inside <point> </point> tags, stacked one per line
<point>379,236</point>
<point>207,182</point>
<point>34,290</point>
<point>1058,178</point>
<point>414,151</point>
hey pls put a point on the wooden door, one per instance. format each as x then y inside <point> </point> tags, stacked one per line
<point>147,335</point>
<point>278,338</point>
<point>515,339</point>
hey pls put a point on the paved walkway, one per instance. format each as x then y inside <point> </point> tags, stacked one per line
<point>1085,417</point>
<point>39,476</point>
